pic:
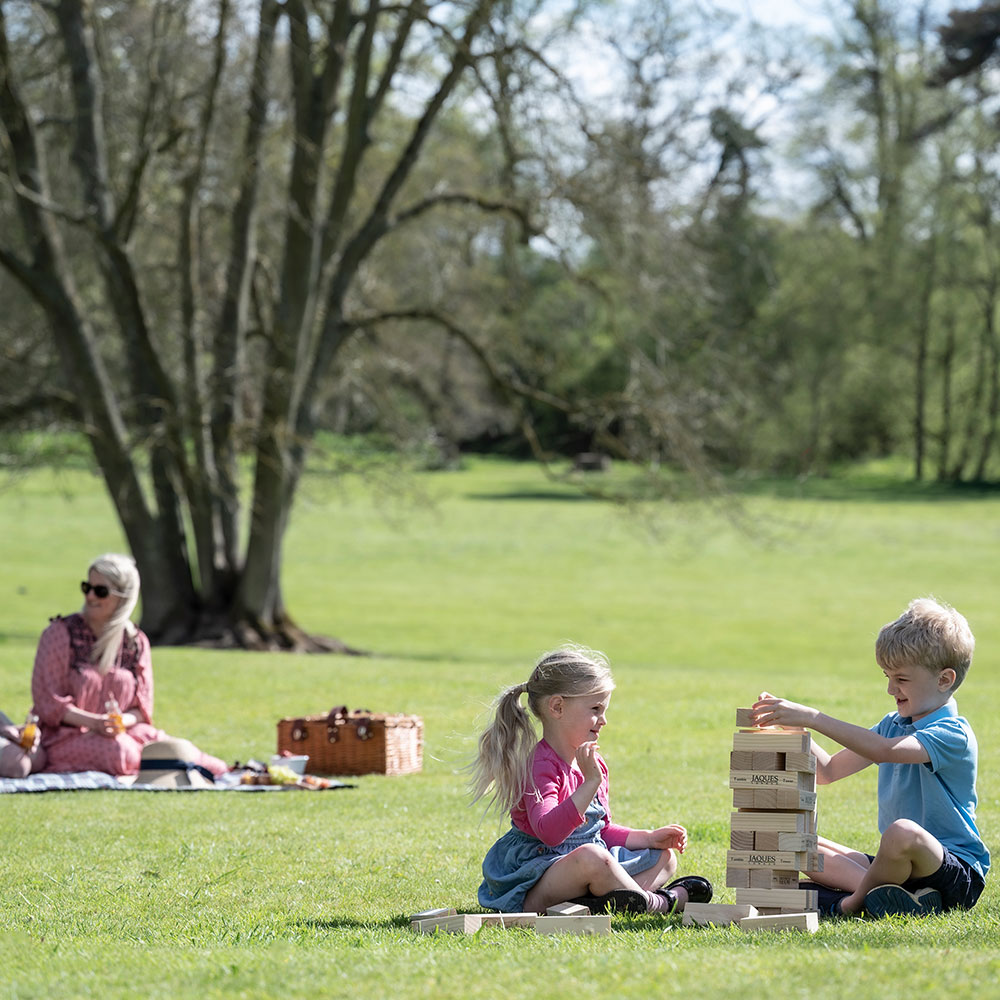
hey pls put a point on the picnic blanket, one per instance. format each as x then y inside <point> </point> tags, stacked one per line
<point>93,780</point>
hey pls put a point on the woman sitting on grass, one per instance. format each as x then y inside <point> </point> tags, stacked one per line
<point>562,845</point>
<point>93,679</point>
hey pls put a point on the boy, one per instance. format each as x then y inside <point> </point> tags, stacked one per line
<point>931,857</point>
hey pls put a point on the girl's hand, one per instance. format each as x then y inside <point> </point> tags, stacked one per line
<point>586,758</point>
<point>669,837</point>
<point>770,710</point>
<point>11,733</point>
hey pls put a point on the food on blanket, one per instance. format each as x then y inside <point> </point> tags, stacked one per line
<point>311,781</point>
<point>29,732</point>
<point>281,775</point>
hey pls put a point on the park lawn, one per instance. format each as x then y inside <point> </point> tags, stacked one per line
<point>455,582</point>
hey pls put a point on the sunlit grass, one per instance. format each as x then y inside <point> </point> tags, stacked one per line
<point>455,582</point>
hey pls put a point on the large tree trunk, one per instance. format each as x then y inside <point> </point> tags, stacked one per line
<point>165,432</point>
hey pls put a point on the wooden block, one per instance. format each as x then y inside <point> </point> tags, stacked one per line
<point>766,760</point>
<point>808,922</point>
<point>740,760</point>
<point>796,781</point>
<point>784,799</point>
<point>598,924</point>
<point>568,910</point>
<point>744,718</point>
<point>741,840</point>
<point>804,899</point>
<point>764,840</point>
<point>719,914</point>
<point>505,920</point>
<point>800,762</point>
<point>443,911</point>
<point>784,741</point>
<point>773,878</point>
<point>775,822</point>
<point>798,842</point>
<point>767,859</point>
<point>462,923</point>
<point>737,878</point>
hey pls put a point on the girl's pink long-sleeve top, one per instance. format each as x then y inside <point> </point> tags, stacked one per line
<point>547,810</point>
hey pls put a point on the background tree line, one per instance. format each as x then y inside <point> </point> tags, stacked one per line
<point>227,226</point>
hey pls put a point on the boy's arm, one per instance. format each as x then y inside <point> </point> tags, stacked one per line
<point>833,767</point>
<point>861,746</point>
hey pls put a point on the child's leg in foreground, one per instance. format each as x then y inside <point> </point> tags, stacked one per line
<point>16,763</point>
<point>906,851</point>
<point>591,870</point>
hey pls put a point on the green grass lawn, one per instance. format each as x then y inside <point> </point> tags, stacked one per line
<point>456,581</point>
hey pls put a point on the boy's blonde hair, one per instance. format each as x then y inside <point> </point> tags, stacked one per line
<point>503,762</point>
<point>928,634</point>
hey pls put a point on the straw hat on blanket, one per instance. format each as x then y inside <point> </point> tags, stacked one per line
<point>171,763</point>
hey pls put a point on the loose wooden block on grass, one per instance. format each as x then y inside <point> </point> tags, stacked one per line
<point>441,911</point>
<point>509,919</point>
<point>568,910</point>
<point>461,923</point>
<point>598,924</point>
<point>808,922</point>
<point>719,914</point>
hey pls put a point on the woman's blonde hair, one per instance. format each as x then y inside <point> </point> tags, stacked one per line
<point>123,576</point>
<point>502,768</point>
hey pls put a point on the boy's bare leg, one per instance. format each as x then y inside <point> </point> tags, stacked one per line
<point>843,867</point>
<point>907,851</point>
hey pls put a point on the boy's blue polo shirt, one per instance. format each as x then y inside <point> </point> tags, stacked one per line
<point>941,794</point>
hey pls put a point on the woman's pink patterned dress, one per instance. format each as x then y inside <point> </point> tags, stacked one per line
<point>64,676</point>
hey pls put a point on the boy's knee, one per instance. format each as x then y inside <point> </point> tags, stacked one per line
<point>903,835</point>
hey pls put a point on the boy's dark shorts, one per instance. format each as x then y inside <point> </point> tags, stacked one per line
<point>958,882</point>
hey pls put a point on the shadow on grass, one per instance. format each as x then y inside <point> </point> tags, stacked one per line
<point>560,495</point>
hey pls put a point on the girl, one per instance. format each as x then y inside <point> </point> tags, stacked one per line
<point>562,844</point>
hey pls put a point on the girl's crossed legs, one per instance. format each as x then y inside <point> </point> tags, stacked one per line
<point>590,870</point>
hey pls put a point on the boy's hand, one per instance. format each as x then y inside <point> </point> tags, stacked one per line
<point>11,733</point>
<point>769,710</point>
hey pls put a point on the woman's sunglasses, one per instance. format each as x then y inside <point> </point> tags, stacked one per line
<point>98,588</point>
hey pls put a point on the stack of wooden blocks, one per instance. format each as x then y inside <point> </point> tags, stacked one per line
<point>772,774</point>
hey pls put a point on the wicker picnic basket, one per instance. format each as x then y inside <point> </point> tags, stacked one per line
<point>355,742</point>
